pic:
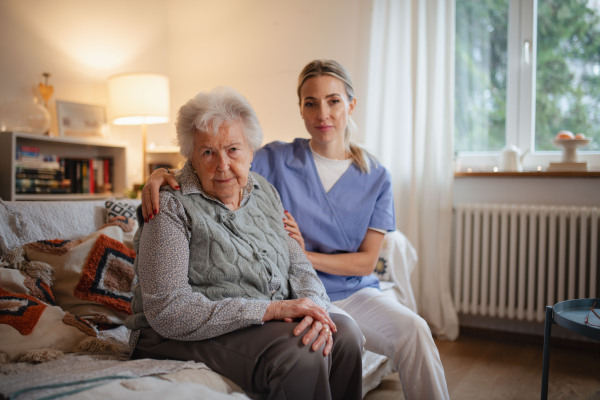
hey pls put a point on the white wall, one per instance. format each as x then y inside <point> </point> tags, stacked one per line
<point>259,48</point>
<point>255,46</point>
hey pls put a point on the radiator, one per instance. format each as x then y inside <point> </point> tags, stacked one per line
<point>510,261</point>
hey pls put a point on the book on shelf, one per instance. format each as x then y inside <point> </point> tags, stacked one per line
<point>41,190</point>
<point>37,163</point>
<point>30,157</point>
<point>47,173</point>
<point>51,183</point>
<point>92,175</point>
<point>39,173</point>
<point>26,185</point>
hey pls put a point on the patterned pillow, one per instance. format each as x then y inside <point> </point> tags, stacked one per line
<point>17,281</point>
<point>93,276</point>
<point>123,214</point>
<point>28,323</point>
<point>116,208</point>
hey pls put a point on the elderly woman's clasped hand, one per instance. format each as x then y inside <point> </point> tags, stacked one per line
<point>313,316</point>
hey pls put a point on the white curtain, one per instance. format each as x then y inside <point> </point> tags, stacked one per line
<point>409,114</point>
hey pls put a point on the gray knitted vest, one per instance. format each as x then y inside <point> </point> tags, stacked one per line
<point>242,253</point>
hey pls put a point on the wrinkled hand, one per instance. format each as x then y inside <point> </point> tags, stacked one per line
<point>317,318</point>
<point>291,226</point>
<point>322,332</point>
<point>157,178</point>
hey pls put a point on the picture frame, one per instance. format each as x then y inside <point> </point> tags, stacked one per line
<point>80,120</point>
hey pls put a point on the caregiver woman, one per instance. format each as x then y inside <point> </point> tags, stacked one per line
<point>220,279</point>
<point>342,199</point>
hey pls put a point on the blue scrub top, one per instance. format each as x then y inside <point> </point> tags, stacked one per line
<point>331,222</point>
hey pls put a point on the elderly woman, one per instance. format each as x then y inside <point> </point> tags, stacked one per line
<point>220,279</point>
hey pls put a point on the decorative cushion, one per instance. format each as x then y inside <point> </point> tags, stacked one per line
<point>93,276</point>
<point>116,208</point>
<point>382,269</point>
<point>123,214</point>
<point>107,275</point>
<point>28,324</point>
<point>20,311</point>
<point>16,281</point>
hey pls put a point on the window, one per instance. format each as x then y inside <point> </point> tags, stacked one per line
<point>525,70</point>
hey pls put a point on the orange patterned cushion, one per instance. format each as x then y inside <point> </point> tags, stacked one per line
<point>108,276</point>
<point>20,311</point>
<point>93,276</point>
<point>16,281</point>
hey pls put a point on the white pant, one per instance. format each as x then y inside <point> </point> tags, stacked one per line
<point>403,336</point>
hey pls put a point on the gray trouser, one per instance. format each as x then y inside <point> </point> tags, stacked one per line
<point>269,362</point>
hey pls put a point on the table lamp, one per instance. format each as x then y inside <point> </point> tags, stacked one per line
<point>139,99</point>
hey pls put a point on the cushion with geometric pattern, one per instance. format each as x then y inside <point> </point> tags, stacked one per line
<point>117,208</point>
<point>93,276</point>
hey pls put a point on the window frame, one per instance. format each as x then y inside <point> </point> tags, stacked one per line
<point>520,100</point>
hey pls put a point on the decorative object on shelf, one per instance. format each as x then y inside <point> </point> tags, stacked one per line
<point>46,92</point>
<point>80,120</point>
<point>569,147</point>
<point>512,159</point>
<point>24,116</point>
<point>139,99</point>
<point>569,144</point>
<point>45,89</point>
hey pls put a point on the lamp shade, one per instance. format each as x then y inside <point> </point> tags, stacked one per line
<point>139,99</point>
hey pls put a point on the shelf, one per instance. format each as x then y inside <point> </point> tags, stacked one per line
<point>169,156</point>
<point>529,174</point>
<point>62,147</point>
<point>67,197</point>
<point>63,140</point>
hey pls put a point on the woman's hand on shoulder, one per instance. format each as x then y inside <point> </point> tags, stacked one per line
<point>150,192</point>
<point>290,225</point>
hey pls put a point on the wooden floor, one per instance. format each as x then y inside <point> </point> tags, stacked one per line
<point>481,368</point>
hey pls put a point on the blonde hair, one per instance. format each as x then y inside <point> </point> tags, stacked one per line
<point>358,154</point>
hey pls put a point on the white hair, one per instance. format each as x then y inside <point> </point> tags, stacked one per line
<point>208,111</point>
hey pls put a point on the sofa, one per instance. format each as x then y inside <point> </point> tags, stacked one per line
<point>66,278</point>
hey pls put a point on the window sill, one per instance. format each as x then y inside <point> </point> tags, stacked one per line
<point>530,174</point>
